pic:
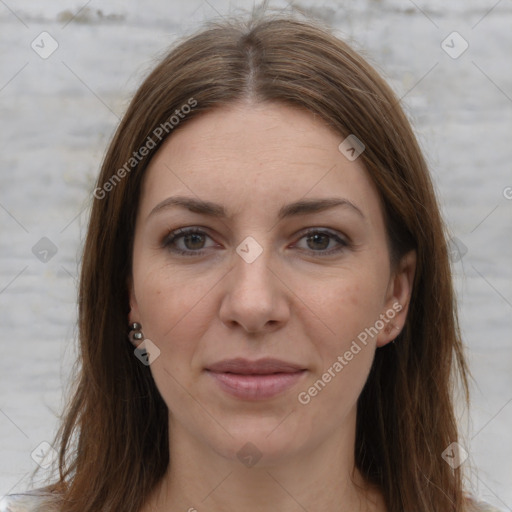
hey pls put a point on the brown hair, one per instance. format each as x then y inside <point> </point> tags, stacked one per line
<point>114,434</point>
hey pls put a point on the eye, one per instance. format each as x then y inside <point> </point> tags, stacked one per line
<point>191,242</point>
<point>318,240</point>
<point>191,239</point>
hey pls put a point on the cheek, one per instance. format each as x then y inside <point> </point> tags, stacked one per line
<point>175,311</point>
<point>167,299</point>
<point>346,354</point>
<point>348,307</point>
<point>175,314</point>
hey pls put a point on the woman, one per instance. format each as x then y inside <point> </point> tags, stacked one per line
<point>267,319</point>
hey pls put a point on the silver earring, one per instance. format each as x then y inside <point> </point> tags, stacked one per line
<point>135,335</point>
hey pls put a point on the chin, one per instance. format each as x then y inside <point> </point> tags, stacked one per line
<point>260,444</point>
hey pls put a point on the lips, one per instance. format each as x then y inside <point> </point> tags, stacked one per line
<point>264,366</point>
<point>255,380</point>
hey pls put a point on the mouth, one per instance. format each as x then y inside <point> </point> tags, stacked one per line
<point>265,366</point>
<point>256,386</point>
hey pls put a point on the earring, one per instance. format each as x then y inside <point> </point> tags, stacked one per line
<point>135,335</point>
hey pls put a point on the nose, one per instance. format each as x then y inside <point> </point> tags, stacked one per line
<point>254,295</point>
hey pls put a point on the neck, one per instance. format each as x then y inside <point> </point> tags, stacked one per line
<point>321,477</point>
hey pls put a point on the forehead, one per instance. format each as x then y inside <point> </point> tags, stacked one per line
<point>254,157</point>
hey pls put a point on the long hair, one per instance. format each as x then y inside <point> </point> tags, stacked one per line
<point>113,439</point>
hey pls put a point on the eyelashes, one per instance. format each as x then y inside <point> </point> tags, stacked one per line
<point>322,234</point>
<point>194,236</point>
<point>170,240</point>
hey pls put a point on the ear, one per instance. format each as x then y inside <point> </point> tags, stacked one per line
<point>133,315</point>
<point>398,296</point>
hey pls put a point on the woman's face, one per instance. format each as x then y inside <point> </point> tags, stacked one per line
<point>310,285</point>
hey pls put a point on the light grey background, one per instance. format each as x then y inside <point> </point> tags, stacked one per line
<point>58,114</point>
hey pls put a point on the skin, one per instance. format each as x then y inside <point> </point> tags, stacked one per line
<point>290,303</point>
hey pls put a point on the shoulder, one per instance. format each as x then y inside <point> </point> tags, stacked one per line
<point>37,500</point>
<point>40,500</point>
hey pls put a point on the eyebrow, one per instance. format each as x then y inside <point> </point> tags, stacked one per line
<point>301,207</point>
